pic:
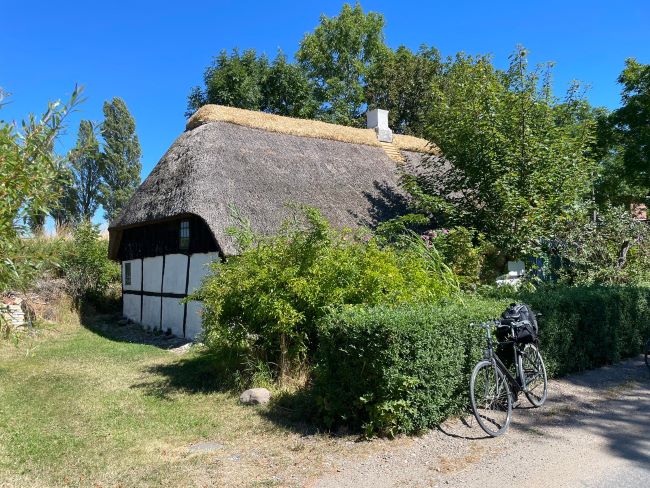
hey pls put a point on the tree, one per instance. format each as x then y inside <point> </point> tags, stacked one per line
<point>402,82</point>
<point>287,90</point>
<point>120,159</point>
<point>517,159</point>
<point>337,57</point>
<point>80,198</point>
<point>235,80</point>
<point>631,130</point>
<point>248,81</point>
<point>29,172</point>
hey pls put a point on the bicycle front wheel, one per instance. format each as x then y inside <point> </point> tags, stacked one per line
<point>491,400</point>
<point>534,373</point>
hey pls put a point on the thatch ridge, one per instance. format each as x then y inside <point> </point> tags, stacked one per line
<point>303,128</point>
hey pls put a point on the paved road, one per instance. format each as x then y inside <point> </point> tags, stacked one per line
<point>594,431</point>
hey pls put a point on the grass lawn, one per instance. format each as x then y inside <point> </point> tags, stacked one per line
<point>81,407</point>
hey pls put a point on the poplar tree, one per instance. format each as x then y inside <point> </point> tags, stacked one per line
<point>120,159</point>
<point>80,198</point>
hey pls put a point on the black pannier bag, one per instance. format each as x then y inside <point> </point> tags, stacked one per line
<point>526,330</point>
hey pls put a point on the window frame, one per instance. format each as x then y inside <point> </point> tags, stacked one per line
<point>127,274</point>
<point>184,235</point>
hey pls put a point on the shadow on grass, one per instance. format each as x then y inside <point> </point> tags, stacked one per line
<point>199,373</point>
<point>296,412</point>
<point>106,323</point>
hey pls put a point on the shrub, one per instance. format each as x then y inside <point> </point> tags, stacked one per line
<point>607,247</point>
<point>398,370</point>
<point>87,270</point>
<point>588,327</point>
<point>270,297</point>
<point>464,250</point>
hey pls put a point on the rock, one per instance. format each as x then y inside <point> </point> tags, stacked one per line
<point>205,447</point>
<point>255,396</point>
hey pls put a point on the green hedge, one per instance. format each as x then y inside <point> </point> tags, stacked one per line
<point>398,370</point>
<point>588,327</point>
<point>405,369</point>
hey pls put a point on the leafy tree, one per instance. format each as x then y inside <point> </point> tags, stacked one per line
<point>81,196</point>
<point>234,80</point>
<point>630,136</point>
<point>248,81</point>
<point>29,171</point>
<point>402,82</point>
<point>287,90</point>
<point>608,249</point>
<point>120,159</point>
<point>517,158</point>
<point>337,57</point>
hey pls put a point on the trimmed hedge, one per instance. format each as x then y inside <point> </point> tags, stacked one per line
<point>588,327</point>
<point>405,369</point>
<point>398,370</point>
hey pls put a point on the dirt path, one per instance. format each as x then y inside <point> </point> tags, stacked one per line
<point>594,431</point>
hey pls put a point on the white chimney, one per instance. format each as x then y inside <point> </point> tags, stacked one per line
<point>378,119</point>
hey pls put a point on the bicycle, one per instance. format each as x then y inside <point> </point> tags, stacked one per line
<point>492,384</point>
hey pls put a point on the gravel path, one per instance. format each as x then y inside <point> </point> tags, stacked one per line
<point>593,431</point>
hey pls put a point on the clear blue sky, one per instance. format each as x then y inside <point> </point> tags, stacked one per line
<point>151,53</point>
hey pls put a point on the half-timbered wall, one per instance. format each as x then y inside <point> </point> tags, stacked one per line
<point>153,286</point>
<point>154,296</point>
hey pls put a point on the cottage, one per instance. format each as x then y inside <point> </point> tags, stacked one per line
<point>175,224</point>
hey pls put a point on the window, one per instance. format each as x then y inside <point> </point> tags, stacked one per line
<point>184,235</point>
<point>127,274</point>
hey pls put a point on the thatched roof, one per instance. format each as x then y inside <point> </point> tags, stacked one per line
<point>259,163</point>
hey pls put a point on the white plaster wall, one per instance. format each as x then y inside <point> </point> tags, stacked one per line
<point>193,320</point>
<point>199,267</point>
<point>172,315</point>
<point>136,272</point>
<point>153,274</point>
<point>131,306</point>
<point>175,273</point>
<point>151,311</point>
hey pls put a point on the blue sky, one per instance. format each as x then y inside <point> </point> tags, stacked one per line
<point>151,53</point>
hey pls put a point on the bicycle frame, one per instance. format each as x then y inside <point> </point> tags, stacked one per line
<point>516,383</point>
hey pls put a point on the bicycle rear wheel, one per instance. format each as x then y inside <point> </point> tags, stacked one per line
<point>491,399</point>
<point>534,372</point>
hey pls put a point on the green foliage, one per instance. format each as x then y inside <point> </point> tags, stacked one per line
<point>463,250</point>
<point>270,297</point>
<point>402,82</point>
<point>404,369</point>
<point>121,165</point>
<point>631,129</point>
<point>31,177</point>
<point>337,57</point>
<point>588,327</point>
<point>80,198</point>
<point>612,248</point>
<point>392,370</point>
<point>287,90</point>
<point>87,270</point>
<point>520,157</point>
<point>248,81</point>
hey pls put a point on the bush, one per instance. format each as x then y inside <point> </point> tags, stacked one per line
<point>270,297</point>
<point>87,270</point>
<point>465,251</point>
<point>588,327</point>
<point>398,370</point>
